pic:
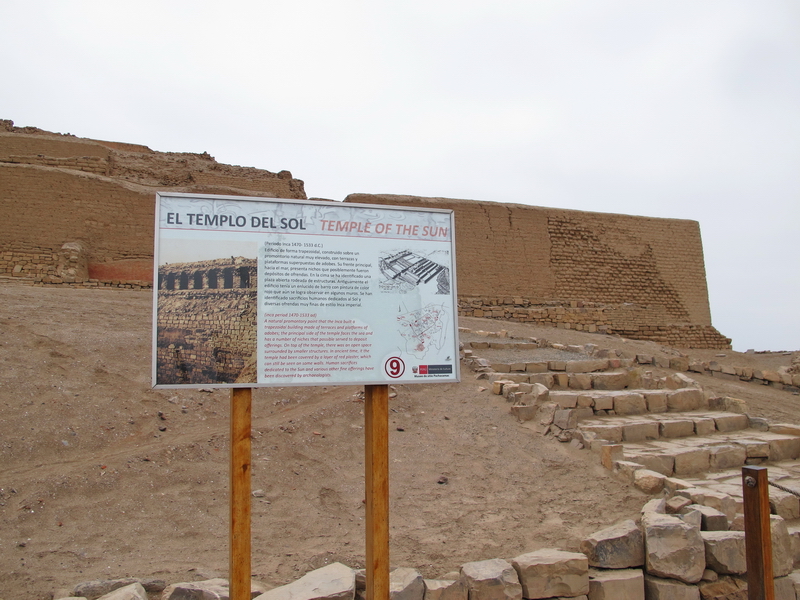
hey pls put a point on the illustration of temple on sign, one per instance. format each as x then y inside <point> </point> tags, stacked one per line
<point>206,325</point>
<point>415,270</point>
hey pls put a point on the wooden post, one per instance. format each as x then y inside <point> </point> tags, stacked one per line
<point>376,466</point>
<point>239,576</point>
<point>758,536</point>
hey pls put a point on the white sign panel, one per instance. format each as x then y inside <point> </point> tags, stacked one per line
<point>267,292</point>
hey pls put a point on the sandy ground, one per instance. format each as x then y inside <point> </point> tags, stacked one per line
<point>103,477</point>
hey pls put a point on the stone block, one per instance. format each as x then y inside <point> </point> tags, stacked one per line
<point>334,582</point>
<point>725,551</point>
<point>516,367</point>
<point>727,588</point>
<point>536,367</point>
<point>586,366</point>
<point>604,402</point>
<point>645,359</point>
<point>640,432</point>
<point>784,588</point>
<point>676,504</point>
<point>617,547</point>
<point>406,584</point>
<point>494,579</point>
<point>610,381</point>
<point>726,457</point>
<point>784,504</point>
<point>704,426</point>
<point>656,505</point>
<point>784,448</point>
<point>626,469</point>
<point>685,400</point>
<point>557,365</point>
<point>689,461</point>
<point>133,591</point>
<point>660,463</point>
<point>782,553</point>
<point>630,404</point>
<point>731,422</point>
<point>711,519</point>
<point>673,549</point>
<point>611,433</point>
<point>692,517</point>
<point>794,535</point>
<point>648,481</point>
<point>550,573</point>
<point>545,379</point>
<point>564,399</point>
<point>566,419</point>
<point>785,429</point>
<point>580,381</point>
<point>621,584</point>
<point>609,454</point>
<point>675,428</point>
<point>656,402</point>
<point>445,589</point>
<point>656,588</point>
<point>524,412</point>
<point>560,380</point>
<point>679,363</point>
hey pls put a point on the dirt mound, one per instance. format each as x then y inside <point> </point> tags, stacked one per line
<point>103,477</point>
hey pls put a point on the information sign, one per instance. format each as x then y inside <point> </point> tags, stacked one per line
<point>267,292</point>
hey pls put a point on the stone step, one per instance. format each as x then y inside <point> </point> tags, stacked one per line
<point>688,444</point>
<point>669,426</point>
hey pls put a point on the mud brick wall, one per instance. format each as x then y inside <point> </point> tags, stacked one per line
<point>207,321</point>
<point>640,277</point>
<point>58,189</point>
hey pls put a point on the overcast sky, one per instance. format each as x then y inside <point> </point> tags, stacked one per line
<point>682,108</point>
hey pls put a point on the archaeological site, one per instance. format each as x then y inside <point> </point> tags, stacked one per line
<point>597,446</point>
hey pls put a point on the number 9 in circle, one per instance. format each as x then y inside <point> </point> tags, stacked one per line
<point>394,367</point>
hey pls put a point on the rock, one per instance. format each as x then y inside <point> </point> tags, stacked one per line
<point>711,519</point>
<point>784,588</point>
<point>656,505</point>
<point>685,400</point>
<point>676,504</point>
<point>134,591</point>
<point>784,504</point>
<point>445,589</point>
<point>99,587</point>
<point>692,517</point>
<point>725,551</point>
<point>621,584</point>
<point>630,404</point>
<point>610,381</point>
<point>210,589</point>
<point>609,454</point>
<point>656,588</point>
<point>548,573</point>
<point>493,579</point>
<point>673,549</point>
<point>727,588</point>
<point>406,584</point>
<point>617,547</point>
<point>332,582</point>
<point>782,555</point>
<point>648,481</point>
<point>691,460</point>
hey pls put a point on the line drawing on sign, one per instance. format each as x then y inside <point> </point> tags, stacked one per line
<point>423,329</point>
<point>406,270</point>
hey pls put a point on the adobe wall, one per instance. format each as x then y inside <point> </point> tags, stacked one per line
<point>640,277</point>
<point>99,198</point>
<point>80,212</point>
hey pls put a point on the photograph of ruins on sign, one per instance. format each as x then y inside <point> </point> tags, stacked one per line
<point>206,324</point>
